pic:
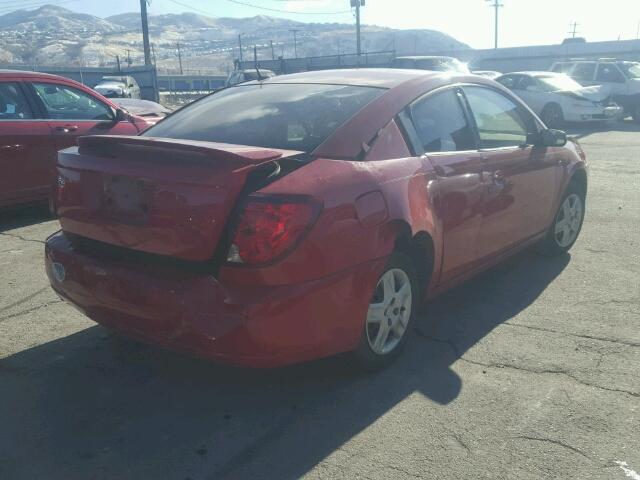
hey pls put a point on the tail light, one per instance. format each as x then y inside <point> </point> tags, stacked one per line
<point>269,227</point>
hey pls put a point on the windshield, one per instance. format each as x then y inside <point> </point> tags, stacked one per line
<point>113,79</point>
<point>285,116</point>
<point>559,82</point>
<point>631,69</point>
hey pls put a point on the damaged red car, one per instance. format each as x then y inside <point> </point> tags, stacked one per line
<point>308,215</point>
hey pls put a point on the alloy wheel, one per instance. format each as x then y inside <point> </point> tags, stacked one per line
<point>568,220</point>
<point>389,311</point>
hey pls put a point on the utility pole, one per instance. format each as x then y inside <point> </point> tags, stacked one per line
<point>240,46</point>
<point>357,4</point>
<point>118,62</point>
<point>255,56</point>
<point>179,57</point>
<point>153,54</point>
<point>145,32</point>
<point>273,54</point>
<point>574,29</point>
<point>497,5</point>
<point>128,57</point>
<point>295,41</point>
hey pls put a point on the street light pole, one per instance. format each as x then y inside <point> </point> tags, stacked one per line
<point>357,4</point>
<point>240,46</point>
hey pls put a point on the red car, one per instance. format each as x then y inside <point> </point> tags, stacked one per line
<point>306,215</point>
<point>41,114</point>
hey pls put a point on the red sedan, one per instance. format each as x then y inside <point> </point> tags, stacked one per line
<point>41,114</point>
<point>307,215</point>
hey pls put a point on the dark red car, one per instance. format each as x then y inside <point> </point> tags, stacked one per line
<point>41,114</point>
<point>306,215</point>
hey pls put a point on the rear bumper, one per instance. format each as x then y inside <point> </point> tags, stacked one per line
<point>257,326</point>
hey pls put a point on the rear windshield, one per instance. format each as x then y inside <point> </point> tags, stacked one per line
<point>286,116</point>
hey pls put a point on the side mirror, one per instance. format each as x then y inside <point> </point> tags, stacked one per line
<point>553,138</point>
<point>121,116</point>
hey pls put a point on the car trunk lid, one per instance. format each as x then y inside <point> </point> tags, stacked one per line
<point>160,196</point>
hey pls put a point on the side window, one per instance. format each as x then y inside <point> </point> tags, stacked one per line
<point>499,120</point>
<point>608,72</point>
<point>526,82</point>
<point>584,71</point>
<point>13,103</point>
<point>561,67</point>
<point>508,81</point>
<point>67,103</point>
<point>441,124</point>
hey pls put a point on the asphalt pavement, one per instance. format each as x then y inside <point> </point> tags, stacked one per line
<point>529,371</point>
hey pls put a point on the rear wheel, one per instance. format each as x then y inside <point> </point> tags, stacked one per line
<point>552,116</point>
<point>567,223</point>
<point>390,314</point>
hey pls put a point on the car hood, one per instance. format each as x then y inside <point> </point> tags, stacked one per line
<point>142,107</point>
<point>597,93</point>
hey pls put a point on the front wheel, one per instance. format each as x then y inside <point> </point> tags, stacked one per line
<point>390,314</point>
<point>567,223</point>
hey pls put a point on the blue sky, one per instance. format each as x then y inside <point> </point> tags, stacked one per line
<point>522,21</point>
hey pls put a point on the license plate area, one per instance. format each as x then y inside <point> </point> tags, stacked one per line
<point>126,200</point>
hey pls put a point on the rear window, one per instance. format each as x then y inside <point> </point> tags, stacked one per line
<point>286,116</point>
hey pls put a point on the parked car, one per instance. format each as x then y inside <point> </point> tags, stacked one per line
<point>436,64</point>
<point>152,112</point>
<point>313,216</point>
<point>492,74</point>
<point>558,98</point>
<point>41,114</point>
<point>240,76</point>
<point>622,77</point>
<point>118,86</point>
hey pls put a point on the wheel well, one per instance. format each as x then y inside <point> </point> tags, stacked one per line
<point>579,179</point>
<point>418,248</point>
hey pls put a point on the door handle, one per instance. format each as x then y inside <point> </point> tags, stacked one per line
<point>67,128</point>
<point>495,181</point>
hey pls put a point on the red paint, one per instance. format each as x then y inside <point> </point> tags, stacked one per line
<point>28,147</point>
<point>159,274</point>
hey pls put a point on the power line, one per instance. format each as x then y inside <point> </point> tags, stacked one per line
<point>6,8</point>
<point>259,7</point>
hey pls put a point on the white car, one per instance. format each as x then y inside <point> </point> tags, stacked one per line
<point>121,86</point>
<point>557,98</point>
<point>622,77</point>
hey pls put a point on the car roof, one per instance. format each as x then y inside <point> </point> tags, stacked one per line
<point>366,77</point>
<point>30,74</point>
<point>538,74</point>
<point>423,57</point>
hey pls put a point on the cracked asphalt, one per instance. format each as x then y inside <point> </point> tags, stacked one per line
<point>529,371</point>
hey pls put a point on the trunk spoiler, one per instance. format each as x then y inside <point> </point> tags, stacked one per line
<point>168,150</point>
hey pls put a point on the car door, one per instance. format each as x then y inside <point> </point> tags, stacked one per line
<point>610,75</point>
<point>442,131</point>
<point>26,148</point>
<point>72,112</point>
<point>520,180</point>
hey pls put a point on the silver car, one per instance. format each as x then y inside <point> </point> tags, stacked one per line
<point>121,86</point>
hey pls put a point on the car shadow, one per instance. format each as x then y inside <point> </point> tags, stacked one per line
<point>579,131</point>
<point>93,405</point>
<point>24,216</point>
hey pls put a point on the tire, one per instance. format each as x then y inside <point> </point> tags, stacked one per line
<point>562,235</point>
<point>635,114</point>
<point>552,116</point>
<point>393,311</point>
